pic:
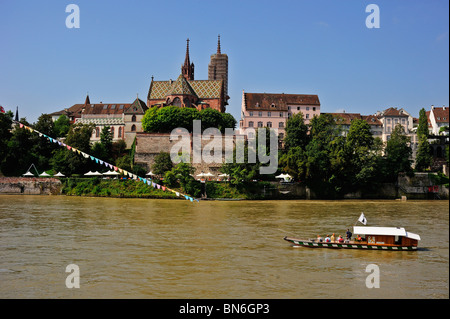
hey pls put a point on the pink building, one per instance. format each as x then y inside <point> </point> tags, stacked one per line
<point>274,109</point>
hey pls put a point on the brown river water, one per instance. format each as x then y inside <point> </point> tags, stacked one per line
<point>140,248</point>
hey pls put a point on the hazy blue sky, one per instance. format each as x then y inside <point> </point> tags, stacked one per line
<point>307,47</point>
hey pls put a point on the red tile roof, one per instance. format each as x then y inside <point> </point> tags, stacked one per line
<point>277,101</point>
<point>441,114</point>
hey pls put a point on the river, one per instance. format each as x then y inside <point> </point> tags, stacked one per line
<point>140,248</point>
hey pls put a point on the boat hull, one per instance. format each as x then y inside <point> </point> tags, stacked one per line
<point>313,244</point>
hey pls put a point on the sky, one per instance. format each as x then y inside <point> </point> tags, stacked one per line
<point>318,47</point>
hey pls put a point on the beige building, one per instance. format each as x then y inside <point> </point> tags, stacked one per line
<point>272,110</point>
<point>124,119</point>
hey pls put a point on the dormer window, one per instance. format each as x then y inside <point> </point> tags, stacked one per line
<point>273,105</point>
<point>257,104</point>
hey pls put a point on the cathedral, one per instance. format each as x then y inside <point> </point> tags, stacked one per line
<point>185,91</point>
<point>124,119</point>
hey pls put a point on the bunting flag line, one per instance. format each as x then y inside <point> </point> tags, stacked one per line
<point>112,167</point>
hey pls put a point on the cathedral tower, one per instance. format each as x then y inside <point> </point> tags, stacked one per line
<point>218,68</point>
<point>187,69</point>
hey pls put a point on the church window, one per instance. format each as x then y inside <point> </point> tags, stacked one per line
<point>177,102</point>
<point>133,128</point>
<point>133,118</point>
<point>112,132</point>
<point>120,132</point>
<point>97,132</point>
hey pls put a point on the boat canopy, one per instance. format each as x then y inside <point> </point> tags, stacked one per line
<point>390,231</point>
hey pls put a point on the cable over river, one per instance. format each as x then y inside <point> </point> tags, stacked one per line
<point>138,248</point>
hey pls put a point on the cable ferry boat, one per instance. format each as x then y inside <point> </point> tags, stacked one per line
<point>374,238</point>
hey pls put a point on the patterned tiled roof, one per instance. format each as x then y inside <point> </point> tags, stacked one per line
<point>159,90</point>
<point>101,121</point>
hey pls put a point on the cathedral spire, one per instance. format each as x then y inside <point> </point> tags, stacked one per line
<point>187,69</point>
<point>218,46</point>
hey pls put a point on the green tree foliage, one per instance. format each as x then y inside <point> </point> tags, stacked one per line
<point>163,163</point>
<point>398,153</point>
<point>296,132</point>
<point>5,132</point>
<point>423,156</point>
<point>165,119</point>
<point>61,126</point>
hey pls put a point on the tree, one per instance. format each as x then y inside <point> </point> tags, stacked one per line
<point>68,162</point>
<point>398,153</point>
<point>423,156</point>
<point>296,132</point>
<point>163,163</point>
<point>43,148</point>
<point>361,156</point>
<point>5,132</point>
<point>18,155</point>
<point>61,126</point>
<point>106,140</point>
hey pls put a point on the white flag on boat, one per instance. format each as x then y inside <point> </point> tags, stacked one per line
<point>362,219</point>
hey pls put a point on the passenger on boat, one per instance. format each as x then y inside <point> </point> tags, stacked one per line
<point>319,238</point>
<point>358,238</point>
<point>349,234</point>
<point>327,239</point>
<point>340,239</point>
<point>332,238</point>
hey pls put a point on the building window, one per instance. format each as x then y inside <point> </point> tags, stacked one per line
<point>388,121</point>
<point>281,114</point>
<point>260,124</point>
<point>177,102</point>
<point>133,128</point>
<point>97,132</point>
<point>281,124</point>
<point>269,124</point>
<point>314,108</point>
<point>120,132</point>
<point>112,131</point>
<point>280,136</point>
<point>269,114</point>
<point>298,108</point>
<point>259,114</point>
<point>133,118</point>
<point>250,124</point>
<point>250,113</point>
<point>307,108</point>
